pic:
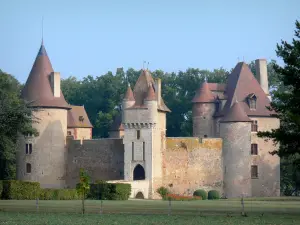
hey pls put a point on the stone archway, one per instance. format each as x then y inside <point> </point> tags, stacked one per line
<point>138,173</point>
<point>139,195</point>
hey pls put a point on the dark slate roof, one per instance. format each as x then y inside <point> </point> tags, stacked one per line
<point>235,114</point>
<point>117,123</point>
<point>241,82</point>
<point>37,90</point>
<point>203,94</point>
<point>74,120</point>
<point>141,89</point>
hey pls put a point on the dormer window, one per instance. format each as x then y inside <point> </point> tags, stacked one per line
<point>218,104</point>
<point>81,118</point>
<point>252,101</point>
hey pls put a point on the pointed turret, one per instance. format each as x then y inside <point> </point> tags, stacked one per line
<point>129,94</point>
<point>150,94</point>
<point>42,88</point>
<point>203,94</point>
<point>235,114</point>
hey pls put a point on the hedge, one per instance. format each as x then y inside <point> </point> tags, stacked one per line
<point>20,190</point>
<point>58,194</point>
<point>213,194</point>
<point>202,193</point>
<point>109,191</point>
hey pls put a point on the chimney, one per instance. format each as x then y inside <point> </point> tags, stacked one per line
<point>55,84</point>
<point>158,90</point>
<point>262,74</point>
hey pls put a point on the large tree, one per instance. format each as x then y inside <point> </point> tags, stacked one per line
<point>286,104</point>
<point>15,119</point>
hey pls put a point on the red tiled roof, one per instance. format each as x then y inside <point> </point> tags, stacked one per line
<point>37,90</point>
<point>203,94</point>
<point>217,87</point>
<point>78,118</point>
<point>241,83</point>
<point>129,94</point>
<point>150,94</point>
<point>235,114</point>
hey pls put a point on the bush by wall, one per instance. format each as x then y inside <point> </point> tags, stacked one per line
<point>20,190</point>
<point>109,191</point>
<point>201,193</point>
<point>175,197</point>
<point>213,194</point>
<point>163,192</point>
<point>58,194</point>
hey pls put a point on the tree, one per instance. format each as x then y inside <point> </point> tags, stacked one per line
<point>15,119</point>
<point>83,186</point>
<point>286,103</point>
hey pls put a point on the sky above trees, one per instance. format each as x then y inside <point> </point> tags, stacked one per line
<point>92,37</point>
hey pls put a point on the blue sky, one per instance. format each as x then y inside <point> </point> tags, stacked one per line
<point>92,37</point>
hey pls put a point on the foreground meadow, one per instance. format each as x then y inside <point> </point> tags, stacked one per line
<point>259,211</point>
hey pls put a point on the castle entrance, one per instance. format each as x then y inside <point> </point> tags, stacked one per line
<point>139,195</point>
<point>138,173</point>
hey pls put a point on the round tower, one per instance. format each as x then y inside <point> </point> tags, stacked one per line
<point>235,130</point>
<point>151,103</point>
<point>128,102</point>
<point>43,158</point>
<point>203,111</point>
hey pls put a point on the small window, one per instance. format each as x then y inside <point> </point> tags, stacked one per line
<point>254,126</point>
<point>254,172</point>
<point>254,149</point>
<point>81,118</point>
<point>252,101</point>
<point>132,150</point>
<point>138,134</point>
<point>69,133</point>
<point>26,148</point>
<point>28,168</point>
<point>30,148</point>
<point>205,136</point>
<point>143,151</point>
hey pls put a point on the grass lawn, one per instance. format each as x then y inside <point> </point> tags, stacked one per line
<point>219,212</point>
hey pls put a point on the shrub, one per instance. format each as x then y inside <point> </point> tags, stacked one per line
<point>201,193</point>
<point>58,194</point>
<point>1,188</point>
<point>163,192</point>
<point>109,191</point>
<point>20,190</point>
<point>213,194</point>
<point>175,197</point>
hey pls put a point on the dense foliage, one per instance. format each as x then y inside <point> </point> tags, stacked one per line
<point>163,192</point>
<point>20,190</point>
<point>109,191</point>
<point>202,193</point>
<point>286,104</point>
<point>58,194</point>
<point>213,194</point>
<point>15,119</point>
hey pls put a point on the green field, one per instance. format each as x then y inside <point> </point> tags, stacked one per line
<point>259,211</point>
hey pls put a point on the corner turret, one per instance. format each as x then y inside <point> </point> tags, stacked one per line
<point>203,111</point>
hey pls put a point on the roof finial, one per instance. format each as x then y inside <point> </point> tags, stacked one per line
<point>147,65</point>
<point>144,64</point>
<point>243,58</point>
<point>205,78</point>
<point>238,59</point>
<point>42,30</point>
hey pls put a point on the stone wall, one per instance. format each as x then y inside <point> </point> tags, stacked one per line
<point>48,157</point>
<point>268,181</point>
<point>103,159</point>
<point>189,165</point>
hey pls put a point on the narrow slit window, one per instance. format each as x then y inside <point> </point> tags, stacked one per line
<point>26,149</point>
<point>30,148</point>
<point>28,168</point>
<point>138,134</point>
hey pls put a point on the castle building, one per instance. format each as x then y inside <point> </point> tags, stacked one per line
<point>224,153</point>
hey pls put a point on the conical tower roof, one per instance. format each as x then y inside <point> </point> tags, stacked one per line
<point>235,114</point>
<point>129,94</point>
<point>203,94</point>
<point>150,94</point>
<point>37,90</point>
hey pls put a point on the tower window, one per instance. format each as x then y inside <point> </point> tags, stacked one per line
<point>254,126</point>
<point>28,148</point>
<point>254,149</point>
<point>138,134</point>
<point>69,133</point>
<point>81,118</point>
<point>28,168</point>
<point>254,172</point>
